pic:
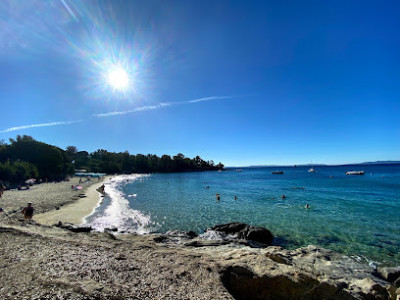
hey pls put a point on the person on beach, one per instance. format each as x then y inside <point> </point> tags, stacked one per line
<point>101,189</point>
<point>2,188</point>
<point>28,211</point>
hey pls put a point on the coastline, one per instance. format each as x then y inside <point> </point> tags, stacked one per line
<point>57,262</point>
<point>75,212</point>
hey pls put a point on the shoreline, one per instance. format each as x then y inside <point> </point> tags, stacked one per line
<point>58,262</point>
<point>76,212</point>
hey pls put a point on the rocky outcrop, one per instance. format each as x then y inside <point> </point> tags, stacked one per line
<point>176,265</point>
<point>242,231</point>
<point>305,273</point>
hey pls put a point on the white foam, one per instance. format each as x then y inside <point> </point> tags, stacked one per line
<point>119,214</point>
<point>212,235</point>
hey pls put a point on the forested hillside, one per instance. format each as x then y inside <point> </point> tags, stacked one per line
<point>25,158</point>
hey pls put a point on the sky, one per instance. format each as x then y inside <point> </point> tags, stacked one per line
<point>238,82</point>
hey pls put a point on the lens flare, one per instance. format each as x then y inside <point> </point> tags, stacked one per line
<point>118,78</point>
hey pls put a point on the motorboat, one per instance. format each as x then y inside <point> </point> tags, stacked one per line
<point>277,172</point>
<point>355,173</point>
<point>239,170</point>
<point>311,170</point>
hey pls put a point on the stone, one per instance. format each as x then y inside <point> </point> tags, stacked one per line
<point>111,229</point>
<point>390,274</point>
<point>397,283</point>
<point>246,232</point>
<point>260,235</point>
<point>230,228</point>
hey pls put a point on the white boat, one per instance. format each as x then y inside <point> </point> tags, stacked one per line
<point>311,170</point>
<point>355,173</point>
<point>239,170</point>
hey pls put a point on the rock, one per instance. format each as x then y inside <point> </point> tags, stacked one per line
<point>246,232</point>
<point>390,274</point>
<point>229,228</point>
<point>111,229</point>
<point>205,243</point>
<point>260,235</point>
<point>397,283</point>
<point>74,228</point>
<point>181,234</point>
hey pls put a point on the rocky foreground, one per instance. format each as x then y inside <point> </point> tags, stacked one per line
<point>50,262</point>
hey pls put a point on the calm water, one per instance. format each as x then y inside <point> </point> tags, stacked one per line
<point>355,215</point>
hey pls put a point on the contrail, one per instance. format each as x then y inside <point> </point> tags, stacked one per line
<point>142,108</point>
<point>160,105</point>
<point>117,113</point>
<point>40,125</point>
<point>69,10</point>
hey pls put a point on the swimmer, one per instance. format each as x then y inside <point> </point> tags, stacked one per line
<point>217,195</point>
<point>283,196</point>
<point>307,206</point>
<point>235,197</point>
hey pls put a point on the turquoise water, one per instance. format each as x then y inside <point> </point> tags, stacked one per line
<point>355,215</point>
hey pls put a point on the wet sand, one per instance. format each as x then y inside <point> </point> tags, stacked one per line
<point>75,212</point>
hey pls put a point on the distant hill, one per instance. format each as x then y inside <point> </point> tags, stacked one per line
<point>384,162</point>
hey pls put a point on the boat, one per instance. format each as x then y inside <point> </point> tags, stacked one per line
<point>311,170</point>
<point>277,172</point>
<point>355,173</point>
<point>239,170</point>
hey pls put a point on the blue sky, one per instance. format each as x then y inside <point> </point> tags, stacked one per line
<point>241,82</point>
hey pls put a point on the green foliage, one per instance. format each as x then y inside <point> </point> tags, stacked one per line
<point>27,158</point>
<point>17,172</point>
<point>50,162</point>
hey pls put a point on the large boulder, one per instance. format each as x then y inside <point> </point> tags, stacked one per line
<point>259,235</point>
<point>245,232</point>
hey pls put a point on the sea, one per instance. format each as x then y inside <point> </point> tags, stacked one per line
<point>354,215</point>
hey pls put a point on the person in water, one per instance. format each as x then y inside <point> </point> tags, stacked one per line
<point>28,211</point>
<point>283,196</point>
<point>307,206</point>
<point>217,195</point>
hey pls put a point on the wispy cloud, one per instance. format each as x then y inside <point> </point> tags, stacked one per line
<point>69,10</point>
<point>160,105</point>
<point>117,113</point>
<point>40,125</point>
<point>212,98</point>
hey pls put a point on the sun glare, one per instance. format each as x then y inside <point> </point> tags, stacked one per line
<point>118,79</point>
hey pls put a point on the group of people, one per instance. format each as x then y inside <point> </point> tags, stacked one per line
<point>234,197</point>
<point>219,198</point>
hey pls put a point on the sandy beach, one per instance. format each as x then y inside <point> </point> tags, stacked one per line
<point>39,261</point>
<point>55,202</point>
<point>75,212</point>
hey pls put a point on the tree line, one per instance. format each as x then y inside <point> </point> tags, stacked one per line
<point>24,157</point>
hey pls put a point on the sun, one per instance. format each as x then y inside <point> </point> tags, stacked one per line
<point>118,79</point>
